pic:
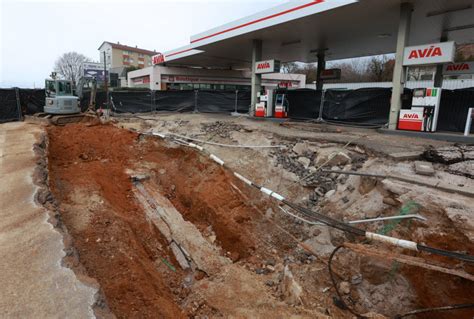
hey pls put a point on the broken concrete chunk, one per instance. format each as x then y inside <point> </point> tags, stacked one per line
<point>292,291</point>
<point>424,168</point>
<point>330,193</point>
<point>332,157</point>
<point>367,184</point>
<point>305,161</point>
<point>300,148</point>
<point>464,168</point>
<point>406,156</point>
<point>321,243</point>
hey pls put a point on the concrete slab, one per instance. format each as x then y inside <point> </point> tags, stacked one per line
<point>424,168</point>
<point>438,136</point>
<point>34,282</point>
<point>406,156</point>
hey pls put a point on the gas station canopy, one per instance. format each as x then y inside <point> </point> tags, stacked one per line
<point>298,30</point>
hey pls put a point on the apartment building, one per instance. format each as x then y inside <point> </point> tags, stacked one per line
<point>119,57</point>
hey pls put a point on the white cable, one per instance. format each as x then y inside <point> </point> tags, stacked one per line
<point>227,145</point>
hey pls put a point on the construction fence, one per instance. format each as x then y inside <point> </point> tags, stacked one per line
<point>368,106</point>
<point>371,106</point>
<point>181,101</point>
<point>14,103</point>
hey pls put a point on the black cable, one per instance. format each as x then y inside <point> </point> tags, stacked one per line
<point>446,308</point>
<point>333,280</point>
<point>326,219</point>
<point>360,232</point>
<point>440,252</point>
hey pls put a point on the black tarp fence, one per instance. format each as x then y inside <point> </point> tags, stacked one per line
<point>132,102</point>
<point>223,101</point>
<point>362,106</point>
<point>9,110</point>
<point>175,101</point>
<point>454,108</point>
<point>32,100</point>
<point>181,101</point>
<point>303,104</point>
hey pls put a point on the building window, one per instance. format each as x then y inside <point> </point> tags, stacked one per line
<point>140,55</point>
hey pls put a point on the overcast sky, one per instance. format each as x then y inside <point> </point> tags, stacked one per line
<point>33,33</point>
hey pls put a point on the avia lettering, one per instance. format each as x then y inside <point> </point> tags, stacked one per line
<point>263,66</point>
<point>458,67</point>
<point>411,116</point>
<point>157,59</point>
<point>430,52</point>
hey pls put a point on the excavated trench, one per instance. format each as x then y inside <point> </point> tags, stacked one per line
<point>91,170</point>
<point>115,240</point>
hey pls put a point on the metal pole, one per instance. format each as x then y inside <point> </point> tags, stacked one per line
<point>105,81</point>
<point>196,101</point>
<point>470,114</point>
<point>236,100</point>
<point>18,104</point>
<point>321,106</point>
<point>399,72</point>
<point>321,67</point>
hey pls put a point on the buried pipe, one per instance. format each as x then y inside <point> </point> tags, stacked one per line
<point>326,220</point>
<point>362,221</point>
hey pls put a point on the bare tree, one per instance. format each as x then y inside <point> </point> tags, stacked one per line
<point>308,69</point>
<point>290,67</point>
<point>380,68</point>
<point>354,70</point>
<point>69,66</point>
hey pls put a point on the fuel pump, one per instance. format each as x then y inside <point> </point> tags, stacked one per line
<point>281,106</point>
<point>423,115</point>
<point>261,107</point>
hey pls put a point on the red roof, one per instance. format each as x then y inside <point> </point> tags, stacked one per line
<point>129,48</point>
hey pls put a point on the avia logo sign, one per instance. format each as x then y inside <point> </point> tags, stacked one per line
<point>269,66</point>
<point>436,53</point>
<point>426,53</point>
<point>158,59</point>
<point>459,68</point>
<point>411,116</point>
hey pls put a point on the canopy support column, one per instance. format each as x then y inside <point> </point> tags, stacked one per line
<point>438,78</point>
<point>399,72</point>
<point>321,67</point>
<point>256,78</point>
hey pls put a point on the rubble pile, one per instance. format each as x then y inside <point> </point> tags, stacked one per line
<point>306,159</point>
<point>222,129</point>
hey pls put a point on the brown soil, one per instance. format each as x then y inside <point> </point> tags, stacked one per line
<point>435,289</point>
<point>115,242</point>
<point>117,247</point>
